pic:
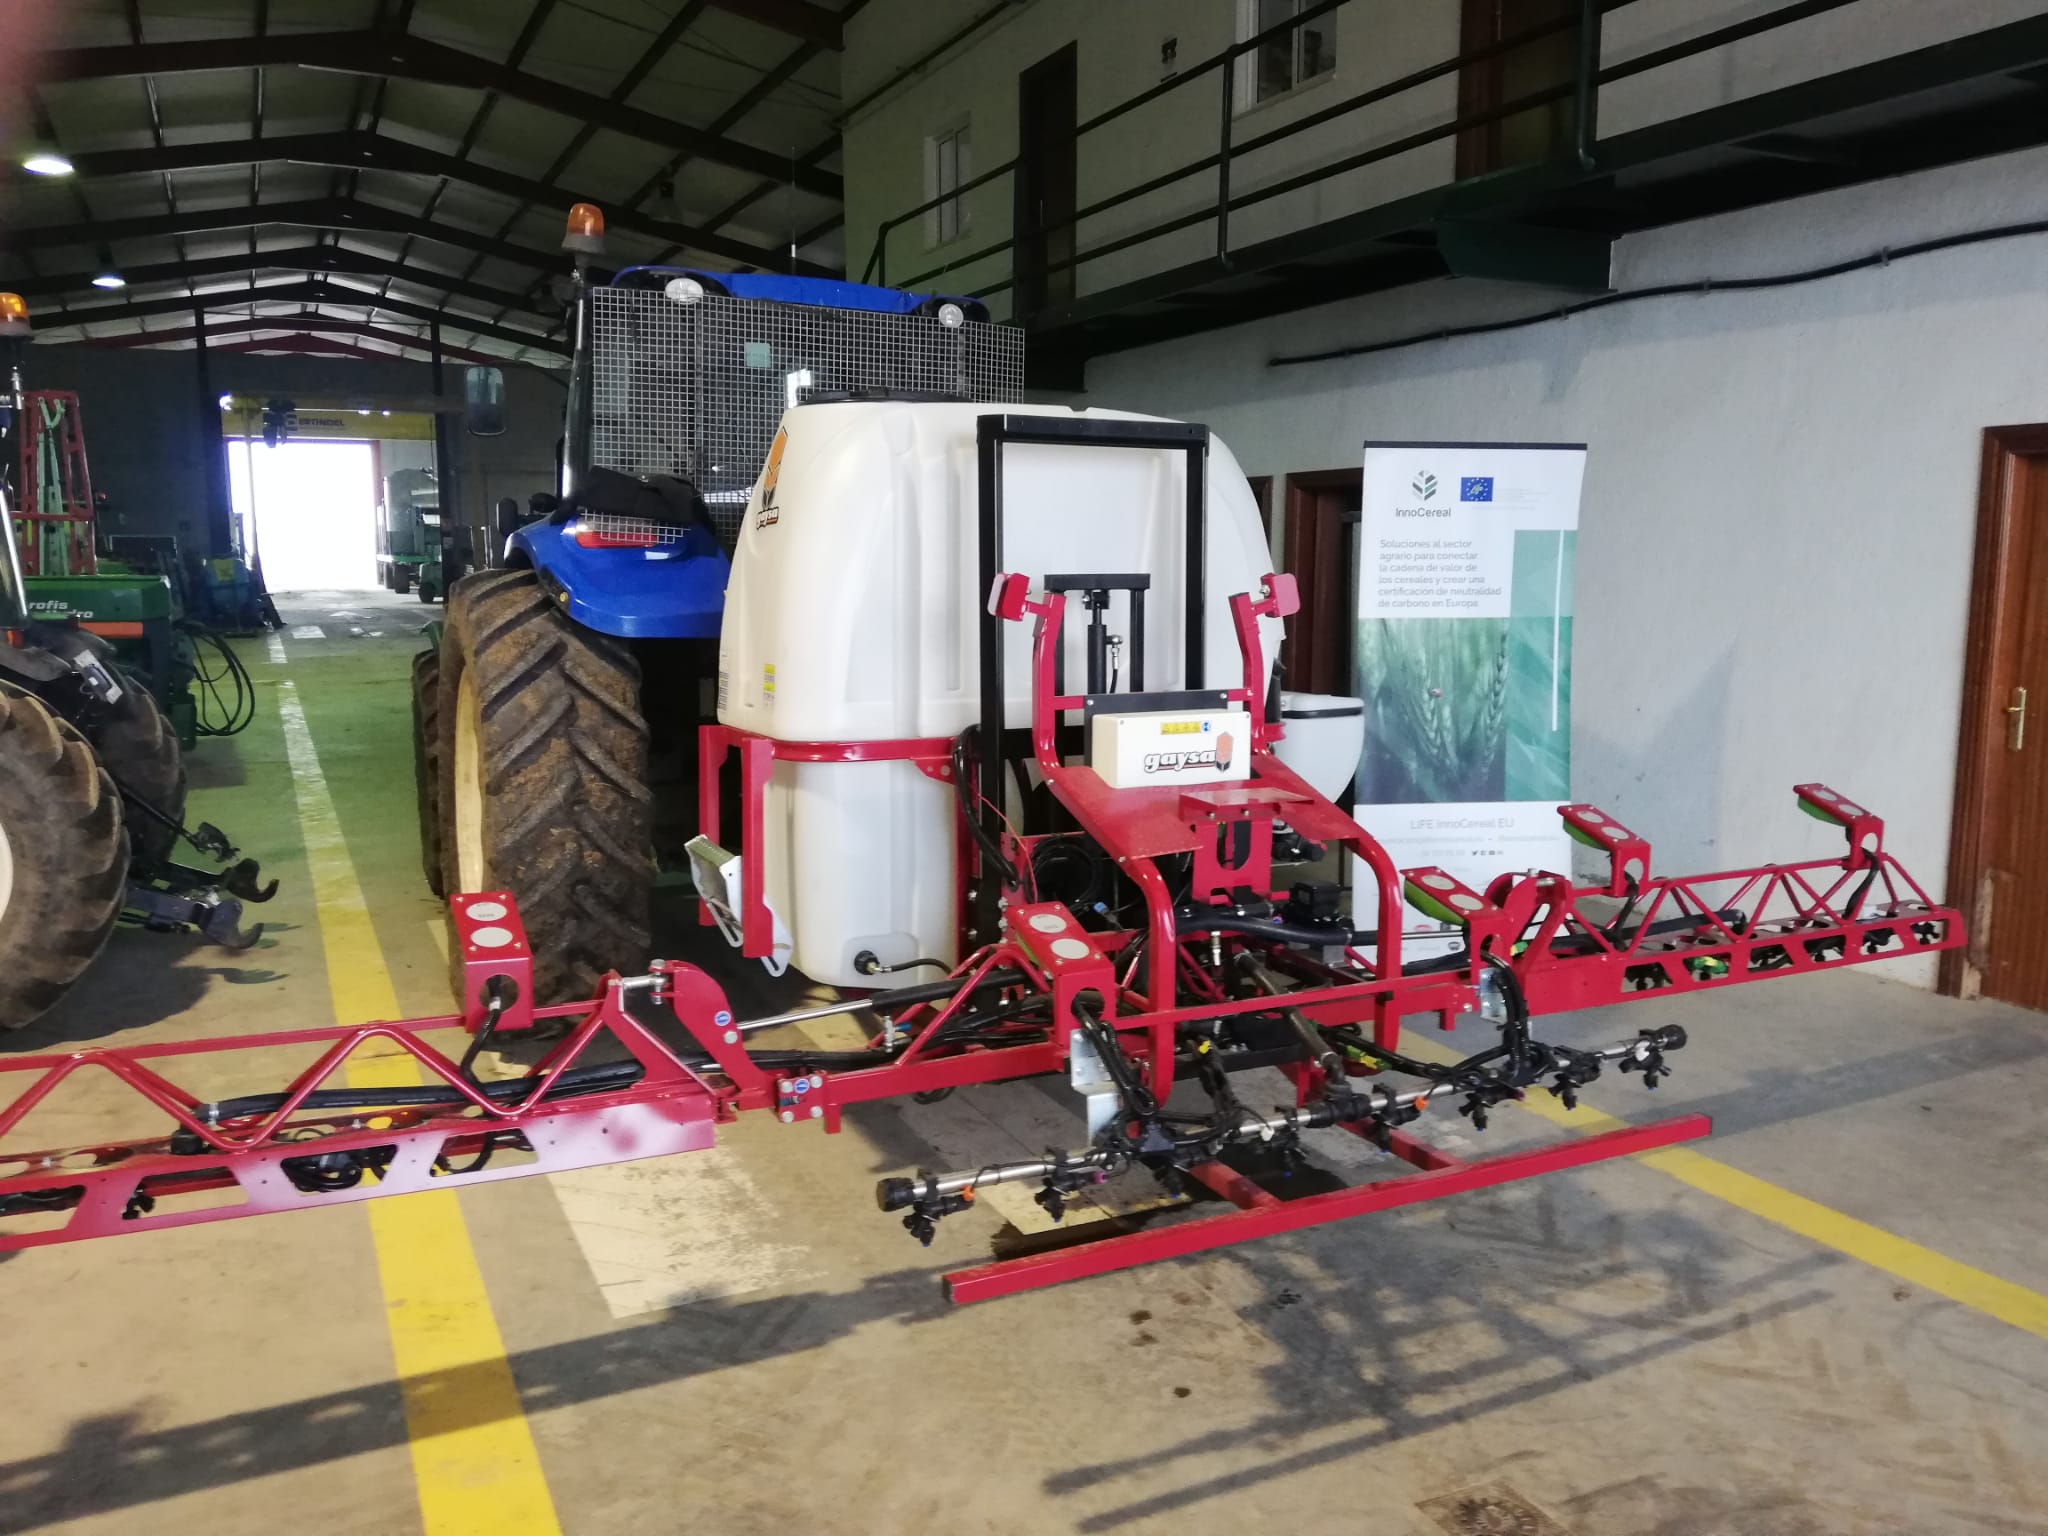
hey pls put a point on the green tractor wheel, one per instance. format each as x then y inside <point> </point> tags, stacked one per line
<point>139,746</point>
<point>63,857</point>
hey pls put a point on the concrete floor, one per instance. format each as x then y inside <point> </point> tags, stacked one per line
<point>737,1342</point>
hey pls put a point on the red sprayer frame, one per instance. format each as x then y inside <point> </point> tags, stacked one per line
<point>1051,994</point>
<point>51,434</point>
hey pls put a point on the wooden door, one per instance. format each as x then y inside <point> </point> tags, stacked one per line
<point>1998,860</point>
<point>1045,182</point>
<point>1319,653</point>
<point>1521,138</point>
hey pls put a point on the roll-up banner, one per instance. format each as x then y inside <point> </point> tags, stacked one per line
<point>1465,563</point>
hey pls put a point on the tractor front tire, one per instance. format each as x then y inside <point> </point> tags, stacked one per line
<point>138,745</point>
<point>544,779</point>
<point>426,760</point>
<point>63,857</point>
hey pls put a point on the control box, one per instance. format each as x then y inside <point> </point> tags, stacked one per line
<point>1178,747</point>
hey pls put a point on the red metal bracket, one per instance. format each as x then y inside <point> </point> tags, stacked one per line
<point>490,945</point>
<point>1628,856</point>
<point>1865,831</point>
<point>1072,962</point>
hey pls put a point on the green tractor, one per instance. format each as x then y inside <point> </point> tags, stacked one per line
<point>92,782</point>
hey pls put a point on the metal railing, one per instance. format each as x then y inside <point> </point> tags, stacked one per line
<point>1582,90</point>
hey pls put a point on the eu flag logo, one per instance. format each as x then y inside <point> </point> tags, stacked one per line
<point>1476,488</point>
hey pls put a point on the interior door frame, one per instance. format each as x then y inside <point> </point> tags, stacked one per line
<point>1993,589</point>
<point>1035,284</point>
<point>1310,551</point>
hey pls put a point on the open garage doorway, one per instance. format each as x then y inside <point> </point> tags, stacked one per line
<point>308,512</point>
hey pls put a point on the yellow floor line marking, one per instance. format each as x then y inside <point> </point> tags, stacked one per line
<point>437,930</point>
<point>473,1454</point>
<point>1895,1255</point>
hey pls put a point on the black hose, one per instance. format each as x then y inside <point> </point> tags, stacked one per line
<point>1194,924</point>
<point>218,716</point>
<point>1698,286</point>
<point>991,849</point>
<point>602,1078</point>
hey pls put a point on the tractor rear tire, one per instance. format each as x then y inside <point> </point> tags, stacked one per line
<point>63,857</point>
<point>426,760</point>
<point>138,745</point>
<point>544,779</point>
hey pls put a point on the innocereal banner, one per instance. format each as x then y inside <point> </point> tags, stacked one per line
<point>1465,562</point>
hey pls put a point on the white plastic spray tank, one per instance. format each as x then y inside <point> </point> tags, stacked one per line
<point>852,616</point>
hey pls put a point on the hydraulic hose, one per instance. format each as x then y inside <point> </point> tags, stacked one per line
<point>1194,924</point>
<point>601,1078</point>
<point>219,715</point>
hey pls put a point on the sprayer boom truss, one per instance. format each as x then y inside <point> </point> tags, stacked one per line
<point>1193,970</point>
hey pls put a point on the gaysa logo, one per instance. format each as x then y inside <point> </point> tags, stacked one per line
<point>1218,756</point>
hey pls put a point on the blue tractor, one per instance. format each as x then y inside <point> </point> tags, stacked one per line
<point>556,720</point>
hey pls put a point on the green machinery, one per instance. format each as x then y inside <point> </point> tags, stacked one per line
<point>64,579</point>
<point>409,534</point>
<point>137,613</point>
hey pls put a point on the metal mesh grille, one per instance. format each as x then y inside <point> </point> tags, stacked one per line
<point>628,530</point>
<point>697,390</point>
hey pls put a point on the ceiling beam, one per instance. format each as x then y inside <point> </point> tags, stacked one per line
<point>309,346</point>
<point>798,18</point>
<point>630,82</point>
<point>366,151</point>
<point>304,258</point>
<point>237,300</point>
<point>328,213</point>
<point>390,56</point>
<point>295,324</point>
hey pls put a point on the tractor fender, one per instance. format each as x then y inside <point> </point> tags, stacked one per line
<point>676,592</point>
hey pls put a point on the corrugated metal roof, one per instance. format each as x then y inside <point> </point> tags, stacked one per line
<point>393,163</point>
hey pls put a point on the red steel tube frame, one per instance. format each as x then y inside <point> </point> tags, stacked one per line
<point>1823,917</point>
<point>1262,1215</point>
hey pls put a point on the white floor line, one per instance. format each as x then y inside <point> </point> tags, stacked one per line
<point>273,644</point>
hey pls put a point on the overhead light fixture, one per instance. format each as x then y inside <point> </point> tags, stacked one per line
<point>47,162</point>
<point>110,280</point>
<point>227,402</point>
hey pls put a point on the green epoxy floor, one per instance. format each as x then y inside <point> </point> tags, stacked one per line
<point>737,1342</point>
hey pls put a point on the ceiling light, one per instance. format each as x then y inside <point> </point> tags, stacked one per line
<point>47,162</point>
<point>110,280</point>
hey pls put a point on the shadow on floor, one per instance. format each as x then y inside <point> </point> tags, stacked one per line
<point>1374,1332</point>
<point>141,978</point>
<point>1402,1352</point>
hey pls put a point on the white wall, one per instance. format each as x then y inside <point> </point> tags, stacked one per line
<point>1377,41</point>
<point>1780,501</point>
<point>1118,57</point>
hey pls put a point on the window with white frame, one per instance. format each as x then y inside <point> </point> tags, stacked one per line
<point>1292,58</point>
<point>945,168</point>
